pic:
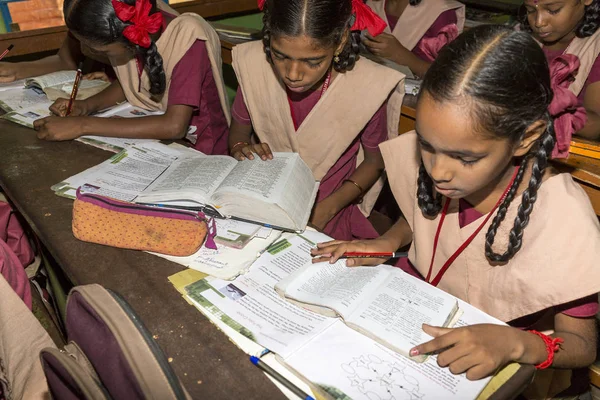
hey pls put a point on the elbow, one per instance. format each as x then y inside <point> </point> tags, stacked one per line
<point>175,130</point>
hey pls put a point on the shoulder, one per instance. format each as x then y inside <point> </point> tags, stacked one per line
<point>401,156</point>
<point>249,49</point>
<point>565,206</point>
<point>190,22</point>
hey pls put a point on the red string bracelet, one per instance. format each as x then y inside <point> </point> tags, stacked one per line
<point>552,346</point>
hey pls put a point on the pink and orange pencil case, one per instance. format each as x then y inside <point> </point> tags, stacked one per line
<point>102,220</point>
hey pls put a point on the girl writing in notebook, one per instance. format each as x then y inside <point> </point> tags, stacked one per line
<point>489,220</point>
<point>162,62</point>
<point>304,89</point>
<point>570,27</point>
<point>416,30</point>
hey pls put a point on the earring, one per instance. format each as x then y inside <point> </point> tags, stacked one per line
<point>336,59</point>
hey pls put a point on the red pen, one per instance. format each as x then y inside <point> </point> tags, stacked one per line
<point>75,89</point>
<point>359,254</point>
<point>5,52</point>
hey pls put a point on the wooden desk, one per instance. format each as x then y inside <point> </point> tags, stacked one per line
<point>208,364</point>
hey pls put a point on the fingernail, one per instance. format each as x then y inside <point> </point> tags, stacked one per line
<point>414,352</point>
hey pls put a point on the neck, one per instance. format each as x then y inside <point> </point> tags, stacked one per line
<point>485,199</point>
<point>395,7</point>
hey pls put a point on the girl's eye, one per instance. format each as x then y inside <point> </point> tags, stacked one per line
<point>529,10</point>
<point>314,66</point>
<point>554,12</point>
<point>467,162</point>
<point>278,56</point>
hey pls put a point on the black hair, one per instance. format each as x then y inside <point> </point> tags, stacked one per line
<point>586,28</point>
<point>96,21</point>
<point>503,77</point>
<point>325,21</point>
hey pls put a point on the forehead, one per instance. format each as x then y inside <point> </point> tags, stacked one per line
<point>533,3</point>
<point>297,46</point>
<point>449,126</point>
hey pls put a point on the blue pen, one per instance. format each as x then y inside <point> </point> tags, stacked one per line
<point>279,378</point>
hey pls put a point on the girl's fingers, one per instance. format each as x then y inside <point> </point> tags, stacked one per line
<point>267,150</point>
<point>39,123</point>
<point>479,371</point>
<point>258,149</point>
<point>463,364</point>
<point>247,152</point>
<point>444,338</point>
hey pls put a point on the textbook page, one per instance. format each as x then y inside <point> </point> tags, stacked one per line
<point>395,311</point>
<point>226,262</point>
<point>126,174</point>
<point>53,79</point>
<point>20,85</point>
<point>251,300</point>
<point>333,286</point>
<point>342,362</point>
<point>112,144</point>
<point>19,99</point>
<point>189,181</point>
<point>28,115</point>
<point>285,181</point>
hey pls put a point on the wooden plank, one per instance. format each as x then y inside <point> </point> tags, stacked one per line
<point>50,39</point>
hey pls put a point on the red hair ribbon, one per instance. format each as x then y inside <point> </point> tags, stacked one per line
<point>142,23</point>
<point>261,4</point>
<point>366,18</point>
<point>569,116</point>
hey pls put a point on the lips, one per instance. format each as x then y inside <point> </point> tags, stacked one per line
<point>544,34</point>
<point>297,89</point>
<point>446,192</point>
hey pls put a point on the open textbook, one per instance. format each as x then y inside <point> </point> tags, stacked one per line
<point>60,84</point>
<point>279,192</point>
<point>381,302</point>
<point>337,361</point>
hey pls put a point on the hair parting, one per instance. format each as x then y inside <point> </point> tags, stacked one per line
<point>507,93</point>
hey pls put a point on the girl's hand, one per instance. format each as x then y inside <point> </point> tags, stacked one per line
<point>384,45</point>
<point>97,75</point>
<point>58,128</point>
<point>8,72</point>
<point>242,151</point>
<point>333,250</point>
<point>60,106</point>
<point>479,350</point>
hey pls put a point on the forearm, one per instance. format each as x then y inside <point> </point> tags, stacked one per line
<point>577,351</point>
<point>365,176</point>
<point>41,67</point>
<point>150,127</point>
<point>109,97</point>
<point>399,235</point>
<point>416,65</point>
<point>239,133</point>
<point>591,130</point>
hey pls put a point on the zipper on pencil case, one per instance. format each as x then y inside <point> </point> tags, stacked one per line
<point>198,216</point>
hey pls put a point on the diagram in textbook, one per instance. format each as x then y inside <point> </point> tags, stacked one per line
<point>381,380</point>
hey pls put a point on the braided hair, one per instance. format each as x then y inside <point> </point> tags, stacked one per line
<point>505,76</point>
<point>586,28</point>
<point>325,21</point>
<point>96,21</point>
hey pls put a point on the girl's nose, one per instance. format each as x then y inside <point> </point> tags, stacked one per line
<point>293,73</point>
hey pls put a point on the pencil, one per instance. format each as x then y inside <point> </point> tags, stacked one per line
<point>280,378</point>
<point>5,52</point>
<point>358,254</point>
<point>75,89</point>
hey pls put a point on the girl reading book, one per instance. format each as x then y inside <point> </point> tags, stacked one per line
<point>490,222</point>
<point>570,27</point>
<point>162,62</point>
<point>304,89</point>
<point>416,30</point>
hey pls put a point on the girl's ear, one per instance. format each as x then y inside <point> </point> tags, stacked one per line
<point>343,42</point>
<point>532,134</point>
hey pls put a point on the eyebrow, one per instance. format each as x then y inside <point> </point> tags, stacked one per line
<point>463,153</point>
<point>318,58</point>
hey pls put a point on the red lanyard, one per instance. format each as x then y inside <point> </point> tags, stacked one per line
<point>457,253</point>
<point>323,90</point>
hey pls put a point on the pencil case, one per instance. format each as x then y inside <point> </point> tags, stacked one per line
<point>102,220</point>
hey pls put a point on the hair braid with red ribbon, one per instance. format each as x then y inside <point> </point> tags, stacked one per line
<point>142,23</point>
